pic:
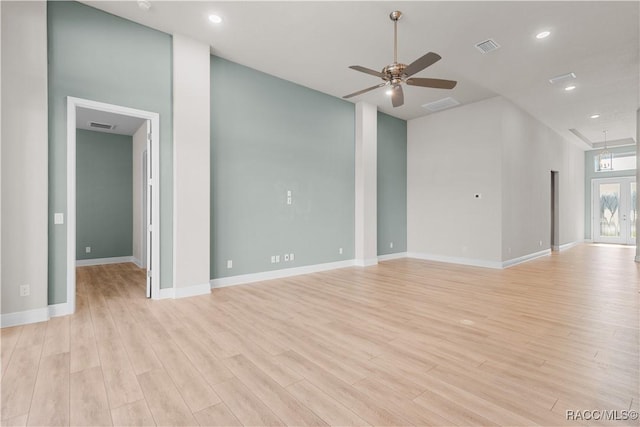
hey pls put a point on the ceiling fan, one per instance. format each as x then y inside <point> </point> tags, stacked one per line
<point>395,74</point>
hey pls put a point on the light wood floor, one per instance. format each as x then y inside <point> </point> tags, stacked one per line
<point>407,342</point>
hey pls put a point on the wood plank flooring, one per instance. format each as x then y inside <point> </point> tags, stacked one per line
<point>407,342</point>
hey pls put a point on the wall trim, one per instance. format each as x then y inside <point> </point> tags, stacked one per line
<point>525,258</point>
<point>189,291</point>
<point>24,317</point>
<point>278,274</point>
<point>137,262</point>
<point>456,260</point>
<point>569,245</point>
<point>388,257</point>
<point>365,262</point>
<point>57,310</point>
<point>104,261</point>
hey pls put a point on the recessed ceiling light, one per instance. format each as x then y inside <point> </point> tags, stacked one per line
<point>595,116</point>
<point>569,88</point>
<point>543,34</point>
<point>215,19</point>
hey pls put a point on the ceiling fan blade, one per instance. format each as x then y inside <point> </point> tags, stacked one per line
<point>421,63</point>
<point>436,83</point>
<point>367,70</point>
<point>397,96</point>
<point>360,92</point>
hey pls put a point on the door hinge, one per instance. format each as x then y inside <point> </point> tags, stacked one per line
<point>149,273</point>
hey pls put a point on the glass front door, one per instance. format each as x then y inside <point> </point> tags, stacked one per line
<point>614,212</point>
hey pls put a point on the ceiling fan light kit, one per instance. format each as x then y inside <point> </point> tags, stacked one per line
<point>396,74</point>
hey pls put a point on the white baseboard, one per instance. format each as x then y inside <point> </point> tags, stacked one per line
<point>137,262</point>
<point>24,317</point>
<point>388,257</point>
<point>104,261</point>
<point>189,291</point>
<point>569,245</point>
<point>365,262</point>
<point>456,260</point>
<point>278,274</point>
<point>525,258</point>
<point>62,309</point>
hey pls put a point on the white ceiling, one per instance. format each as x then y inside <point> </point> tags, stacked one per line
<point>124,125</point>
<point>313,43</point>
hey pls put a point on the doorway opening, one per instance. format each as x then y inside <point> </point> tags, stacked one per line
<point>555,211</point>
<point>613,211</point>
<point>83,117</point>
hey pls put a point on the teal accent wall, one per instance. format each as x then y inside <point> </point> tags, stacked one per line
<point>392,184</point>
<point>590,174</point>
<point>98,56</point>
<point>104,195</point>
<point>269,136</point>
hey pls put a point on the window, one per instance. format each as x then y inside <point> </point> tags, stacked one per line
<point>620,162</point>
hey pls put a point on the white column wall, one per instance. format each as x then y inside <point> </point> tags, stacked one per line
<point>191,161</point>
<point>366,229</point>
<point>24,166</point>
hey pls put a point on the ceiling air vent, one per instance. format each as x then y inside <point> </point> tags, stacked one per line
<point>487,46</point>
<point>441,104</point>
<point>562,77</point>
<point>98,125</point>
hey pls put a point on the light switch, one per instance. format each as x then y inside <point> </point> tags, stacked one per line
<point>58,218</point>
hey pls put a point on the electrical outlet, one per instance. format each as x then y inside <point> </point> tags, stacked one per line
<point>289,197</point>
<point>25,290</point>
<point>273,259</point>
<point>540,243</point>
<point>229,263</point>
<point>87,249</point>
<point>286,257</point>
<point>391,245</point>
<point>58,218</point>
<point>340,251</point>
<point>277,258</point>
<point>291,256</point>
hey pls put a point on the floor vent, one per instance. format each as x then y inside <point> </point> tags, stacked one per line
<point>487,46</point>
<point>441,104</point>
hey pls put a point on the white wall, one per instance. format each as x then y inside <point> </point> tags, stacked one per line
<point>451,156</point>
<point>191,162</point>
<point>494,148</point>
<point>139,145</point>
<point>24,160</point>
<point>366,197</point>
<point>531,151</point>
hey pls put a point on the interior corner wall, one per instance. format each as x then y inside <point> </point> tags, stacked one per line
<point>139,146</point>
<point>530,151</point>
<point>101,57</point>
<point>24,156</point>
<point>104,199</point>
<point>270,136</point>
<point>392,185</point>
<point>591,174</point>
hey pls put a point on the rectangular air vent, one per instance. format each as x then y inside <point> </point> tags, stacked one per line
<point>561,78</point>
<point>441,104</point>
<point>487,46</point>
<point>98,125</point>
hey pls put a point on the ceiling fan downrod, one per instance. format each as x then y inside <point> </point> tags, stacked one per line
<point>395,16</point>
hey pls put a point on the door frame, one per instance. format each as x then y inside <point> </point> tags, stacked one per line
<point>625,181</point>
<point>154,188</point>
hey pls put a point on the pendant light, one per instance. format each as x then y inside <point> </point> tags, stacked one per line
<point>605,158</point>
